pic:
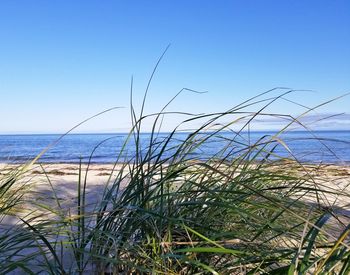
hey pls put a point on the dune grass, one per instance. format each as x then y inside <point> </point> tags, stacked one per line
<point>242,210</point>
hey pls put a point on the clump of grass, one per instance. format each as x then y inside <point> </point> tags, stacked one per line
<point>173,209</point>
<point>14,238</point>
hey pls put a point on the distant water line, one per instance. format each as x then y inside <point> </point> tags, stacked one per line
<point>328,147</point>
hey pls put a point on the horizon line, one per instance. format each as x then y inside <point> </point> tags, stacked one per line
<point>162,132</point>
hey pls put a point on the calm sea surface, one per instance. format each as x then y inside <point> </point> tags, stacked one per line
<point>322,146</point>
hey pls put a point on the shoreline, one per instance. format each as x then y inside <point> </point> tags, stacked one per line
<point>271,161</point>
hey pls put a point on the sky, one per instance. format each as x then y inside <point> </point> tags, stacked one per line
<point>64,61</point>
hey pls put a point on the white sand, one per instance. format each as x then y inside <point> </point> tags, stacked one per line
<point>64,179</point>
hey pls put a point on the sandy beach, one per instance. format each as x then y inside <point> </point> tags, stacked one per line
<point>49,182</point>
<point>64,177</point>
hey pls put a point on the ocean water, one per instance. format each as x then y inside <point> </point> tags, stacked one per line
<point>322,146</point>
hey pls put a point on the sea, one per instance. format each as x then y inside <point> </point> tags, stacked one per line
<point>329,147</point>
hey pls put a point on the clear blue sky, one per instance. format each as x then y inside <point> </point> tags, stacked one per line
<point>62,61</point>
